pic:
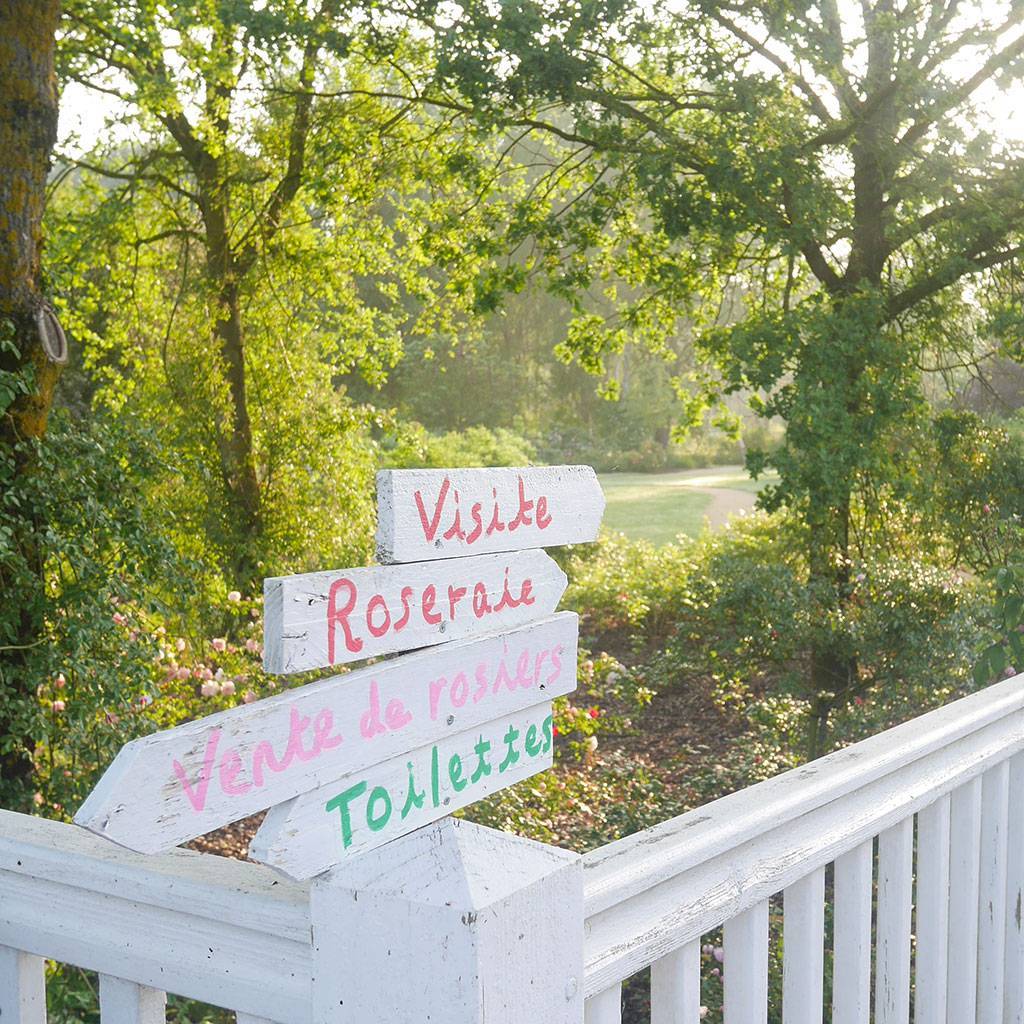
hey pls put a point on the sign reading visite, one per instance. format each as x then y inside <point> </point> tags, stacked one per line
<point>356,760</point>
<point>424,514</point>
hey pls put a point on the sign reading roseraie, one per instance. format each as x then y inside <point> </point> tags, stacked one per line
<point>329,618</point>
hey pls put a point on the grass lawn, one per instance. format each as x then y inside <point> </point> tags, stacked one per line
<point>659,506</point>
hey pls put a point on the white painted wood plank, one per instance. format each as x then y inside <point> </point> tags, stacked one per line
<point>201,926</point>
<point>964,840</point>
<point>1013,984</point>
<point>605,1007</point>
<point>643,860</point>
<point>804,950</point>
<point>675,986</point>
<point>246,1018</point>
<point>714,879</point>
<point>174,785</point>
<point>474,926</point>
<point>124,1002</point>
<point>22,986</point>
<point>317,830</point>
<point>851,969</point>
<point>895,894</point>
<point>424,514</point>
<point>992,891</point>
<point>745,941</point>
<point>932,921</point>
<point>329,618</point>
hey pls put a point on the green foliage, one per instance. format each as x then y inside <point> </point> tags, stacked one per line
<point>738,610</point>
<point>82,476</point>
<point>475,446</point>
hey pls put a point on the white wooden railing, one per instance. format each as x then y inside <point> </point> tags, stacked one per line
<point>912,842</point>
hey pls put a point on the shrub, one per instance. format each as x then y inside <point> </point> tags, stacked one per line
<point>475,446</point>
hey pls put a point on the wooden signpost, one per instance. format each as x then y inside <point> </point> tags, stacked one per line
<point>329,618</point>
<point>354,761</point>
<point>424,514</point>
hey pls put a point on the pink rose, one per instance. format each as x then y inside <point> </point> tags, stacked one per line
<point>60,682</point>
<point>58,705</point>
<point>219,643</point>
<point>234,597</point>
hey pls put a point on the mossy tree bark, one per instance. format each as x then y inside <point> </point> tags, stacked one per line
<point>32,347</point>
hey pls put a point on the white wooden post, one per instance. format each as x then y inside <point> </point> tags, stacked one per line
<point>932,912</point>
<point>992,891</point>
<point>892,957</point>
<point>964,850</point>
<point>22,987</point>
<point>454,923</point>
<point>124,1002</point>
<point>675,986</point>
<point>1013,987</point>
<point>851,971</point>
<point>803,944</point>
<point>605,1007</point>
<point>745,941</point>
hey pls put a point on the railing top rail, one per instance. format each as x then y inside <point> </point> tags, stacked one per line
<point>622,869</point>
<point>223,931</point>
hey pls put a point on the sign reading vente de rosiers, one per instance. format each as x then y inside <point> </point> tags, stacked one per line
<point>167,788</point>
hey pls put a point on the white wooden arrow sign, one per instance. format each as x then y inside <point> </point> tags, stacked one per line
<point>319,829</point>
<point>423,514</point>
<point>329,618</point>
<point>164,789</point>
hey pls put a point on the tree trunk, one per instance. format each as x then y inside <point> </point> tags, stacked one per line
<point>234,431</point>
<point>32,346</point>
<point>238,462</point>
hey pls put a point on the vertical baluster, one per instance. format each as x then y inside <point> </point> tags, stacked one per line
<point>992,891</point>
<point>932,913</point>
<point>22,987</point>
<point>605,1007</point>
<point>1013,985</point>
<point>124,1002</point>
<point>675,986</point>
<point>745,940</point>
<point>892,953</point>
<point>804,950</point>
<point>964,839</point>
<point>851,970</point>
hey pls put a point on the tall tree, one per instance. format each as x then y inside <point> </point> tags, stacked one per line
<point>834,157</point>
<point>258,240</point>
<point>32,346</point>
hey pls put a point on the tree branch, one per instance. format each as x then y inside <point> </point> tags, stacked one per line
<point>954,269</point>
<point>816,102</point>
